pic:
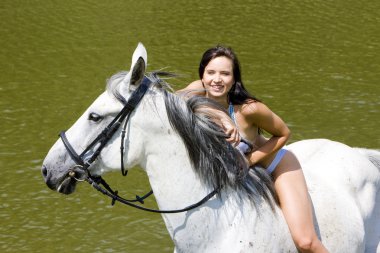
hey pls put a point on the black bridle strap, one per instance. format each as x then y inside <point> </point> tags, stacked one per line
<point>115,197</point>
<point>106,135</point>
<point>124,172</point>
<point>70,149</point>
<point>111,128</point>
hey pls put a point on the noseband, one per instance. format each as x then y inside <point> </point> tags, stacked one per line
<point>100,142</point>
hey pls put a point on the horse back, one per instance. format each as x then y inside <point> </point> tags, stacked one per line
<point>344,185</point>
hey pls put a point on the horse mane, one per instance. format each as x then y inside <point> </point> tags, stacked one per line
<point>215,161</point>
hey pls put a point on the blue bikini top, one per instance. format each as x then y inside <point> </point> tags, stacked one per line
<point>244,146</point>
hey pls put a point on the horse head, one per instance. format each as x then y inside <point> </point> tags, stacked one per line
<point>89,144</point>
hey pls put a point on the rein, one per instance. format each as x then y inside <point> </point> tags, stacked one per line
<point>100,142</point>
<point>116,197</point>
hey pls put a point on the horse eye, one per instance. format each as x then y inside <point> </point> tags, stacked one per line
<point>94,117</point>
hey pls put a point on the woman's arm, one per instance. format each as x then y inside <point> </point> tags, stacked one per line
<point>193,89</point>
<point>260,115</point>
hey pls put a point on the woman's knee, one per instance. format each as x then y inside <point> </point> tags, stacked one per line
<point>305,243</point>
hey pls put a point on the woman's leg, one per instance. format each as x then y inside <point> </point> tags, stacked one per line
<point>291,188</point>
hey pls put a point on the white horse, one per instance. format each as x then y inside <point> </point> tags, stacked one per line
<point>186,157</point>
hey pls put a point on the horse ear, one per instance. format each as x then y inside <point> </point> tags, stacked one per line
<point>138,66</point>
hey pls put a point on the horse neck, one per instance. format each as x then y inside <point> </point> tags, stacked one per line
<point>170,172</point>
<point>166,162</point>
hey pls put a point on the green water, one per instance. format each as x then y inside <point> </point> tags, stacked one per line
<point>315,63</point>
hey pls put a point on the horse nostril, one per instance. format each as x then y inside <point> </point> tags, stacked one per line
<point>44,171</point>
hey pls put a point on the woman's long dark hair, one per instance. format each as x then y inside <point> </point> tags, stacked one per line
<point>238,94</point>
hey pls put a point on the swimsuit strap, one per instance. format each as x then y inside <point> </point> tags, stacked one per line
<point>231,111</point>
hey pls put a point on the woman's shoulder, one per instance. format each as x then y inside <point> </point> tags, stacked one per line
<point>252,108</point>
<point>249,106</point>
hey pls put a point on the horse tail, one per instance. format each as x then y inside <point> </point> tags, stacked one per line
<point>372,154</point>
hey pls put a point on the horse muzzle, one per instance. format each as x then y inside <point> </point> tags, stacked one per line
<point>64,184</point>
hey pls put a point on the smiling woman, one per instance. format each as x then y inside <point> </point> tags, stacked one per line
<point>218,79</point>
<point>217,70</point>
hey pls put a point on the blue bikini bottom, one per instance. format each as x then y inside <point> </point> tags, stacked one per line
<point>277,159</point>
<point>245,147</point>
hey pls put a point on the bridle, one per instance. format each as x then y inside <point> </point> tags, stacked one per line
<point>100,142</point>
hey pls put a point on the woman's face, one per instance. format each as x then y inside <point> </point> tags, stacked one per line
<point>218,78</point>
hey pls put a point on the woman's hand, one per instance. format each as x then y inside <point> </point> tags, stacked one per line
<point>230,130</point>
